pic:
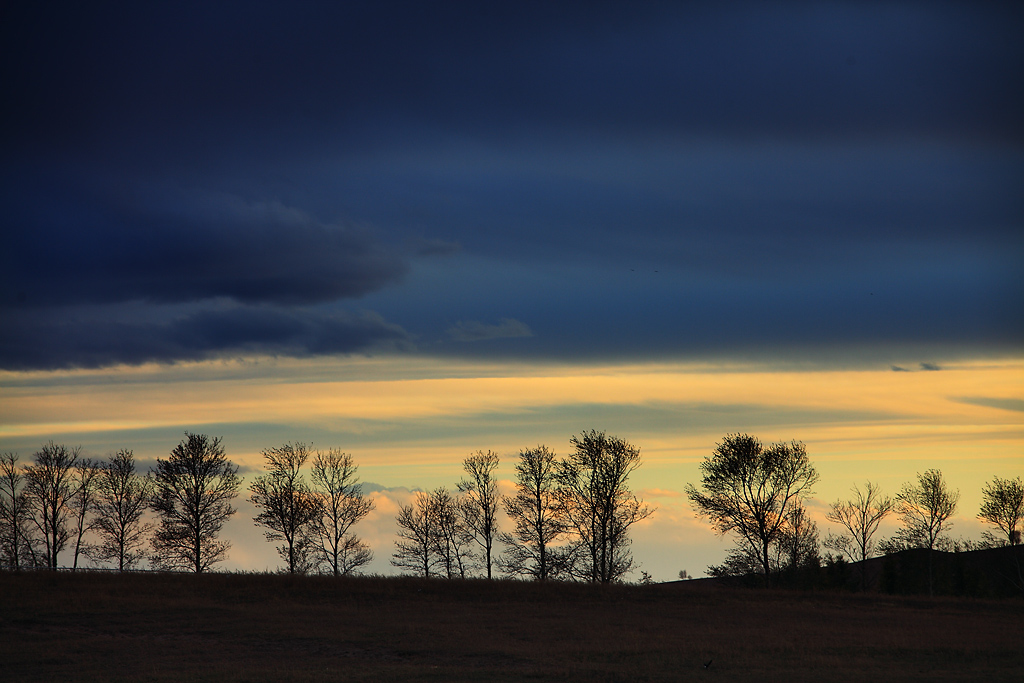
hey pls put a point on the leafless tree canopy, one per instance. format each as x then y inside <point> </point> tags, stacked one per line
<point>1003,506</point>
<point>341,505</point>
<point>534,512</point>
<point>751,490</point>
<point>432,537</point>
<point>194,490</point>
<point>924,510</point>
<point>122,498</point>
<point>452,538</point>
<point>414,549</point>
<point>597,506</point>
<point>83,502</point>
<point>860,518</point>
<point>288,507</point>
<point>50,489</point>
<point>795,546</point>
<point>17,543</point>
<point>480,502</point>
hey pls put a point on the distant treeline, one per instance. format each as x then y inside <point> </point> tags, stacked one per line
<point>570,517</point>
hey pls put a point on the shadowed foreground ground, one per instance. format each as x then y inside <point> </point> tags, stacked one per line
<point>222,627</point>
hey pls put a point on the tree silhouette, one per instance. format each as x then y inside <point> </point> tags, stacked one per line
<point>597,506</point>
<point>341,505</point>
<point>861,518</point>
<point>414,549</point>
<point>17,548</point>
<point>534,513</point>
<point>1002,505</point>
<point>50,489</point>
<point>122,497</point>
<point>83,502</point>
<point>452,538</point>
<point>288,508</point>
<point>924,510</point>
<point>194,490</point>
<point>751,490</point>
<point>480,501</point>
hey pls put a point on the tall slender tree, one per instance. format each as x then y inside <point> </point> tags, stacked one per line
<point>194,490</point>
<point>50,489</point>
<point>16,541</point>
<point>924,510</point>
<point>1002,505</point>
<point>288,507</point>
<point>122,498</point>
<point>417,533</point>
<point>860,518</point>
<point>83,503</point>
<point>598,508</point>
<point>480,502</point>
<point>342,505</point>
<point>452,538</point>
<point>534,513</point>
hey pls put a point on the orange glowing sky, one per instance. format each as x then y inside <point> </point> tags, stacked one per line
<point>411,427</point>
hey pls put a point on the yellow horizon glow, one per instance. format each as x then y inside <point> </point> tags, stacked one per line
<point>858,424</point>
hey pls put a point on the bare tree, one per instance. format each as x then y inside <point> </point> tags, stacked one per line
<point>597,505</point>
<point>17,548</point>
<point>861,518</point>
<point>50,489</point>
<point>122,498</point>
<point>924,510</point>
<point>798,542</point>
<point>453,538</point>
<point>480,501</point>
<point>795,546</point>
<point>751,490</point>
<point>194,490</point>
<point>83,502</point>
<point>414,549</point>
<point>341,505</point>
<point>1002,504</point>
<point>288,506</point>
<point>534,511</point>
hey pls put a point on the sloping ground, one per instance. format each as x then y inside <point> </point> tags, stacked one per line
<point>993,573</point>
<point>174,627</point>
<point>990,573</point>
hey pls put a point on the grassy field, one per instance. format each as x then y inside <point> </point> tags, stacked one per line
<point>223,627</point>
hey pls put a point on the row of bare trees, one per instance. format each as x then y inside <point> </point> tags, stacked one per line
<point>51,506</point>
<point>570,517</point>
<point>757,493</point>
<point>313,522</point>
<point>55,503</point>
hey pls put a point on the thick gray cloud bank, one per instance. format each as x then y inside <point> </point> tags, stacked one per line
<point>549,181</point>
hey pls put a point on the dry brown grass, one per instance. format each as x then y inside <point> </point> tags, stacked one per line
<point>163,627</point>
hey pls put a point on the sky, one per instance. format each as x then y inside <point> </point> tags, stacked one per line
<point>414,230</point>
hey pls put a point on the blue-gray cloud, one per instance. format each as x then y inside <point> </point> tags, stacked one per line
<point>43,342</point>
<point>797,180</point>
<point>474,330</point>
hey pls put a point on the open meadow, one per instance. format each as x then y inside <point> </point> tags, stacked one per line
<point>230,627</point>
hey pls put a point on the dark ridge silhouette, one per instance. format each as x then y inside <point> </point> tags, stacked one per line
<point>993,573</point>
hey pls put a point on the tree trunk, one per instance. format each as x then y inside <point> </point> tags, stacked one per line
<point>767,565</point>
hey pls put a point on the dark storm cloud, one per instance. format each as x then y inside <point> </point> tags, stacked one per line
<point>87,244</point>
<point>309,70</point>
<point>621,181</point>
<point>41,342</point>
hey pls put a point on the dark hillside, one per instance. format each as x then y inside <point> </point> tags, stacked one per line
<point>223,627</point>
